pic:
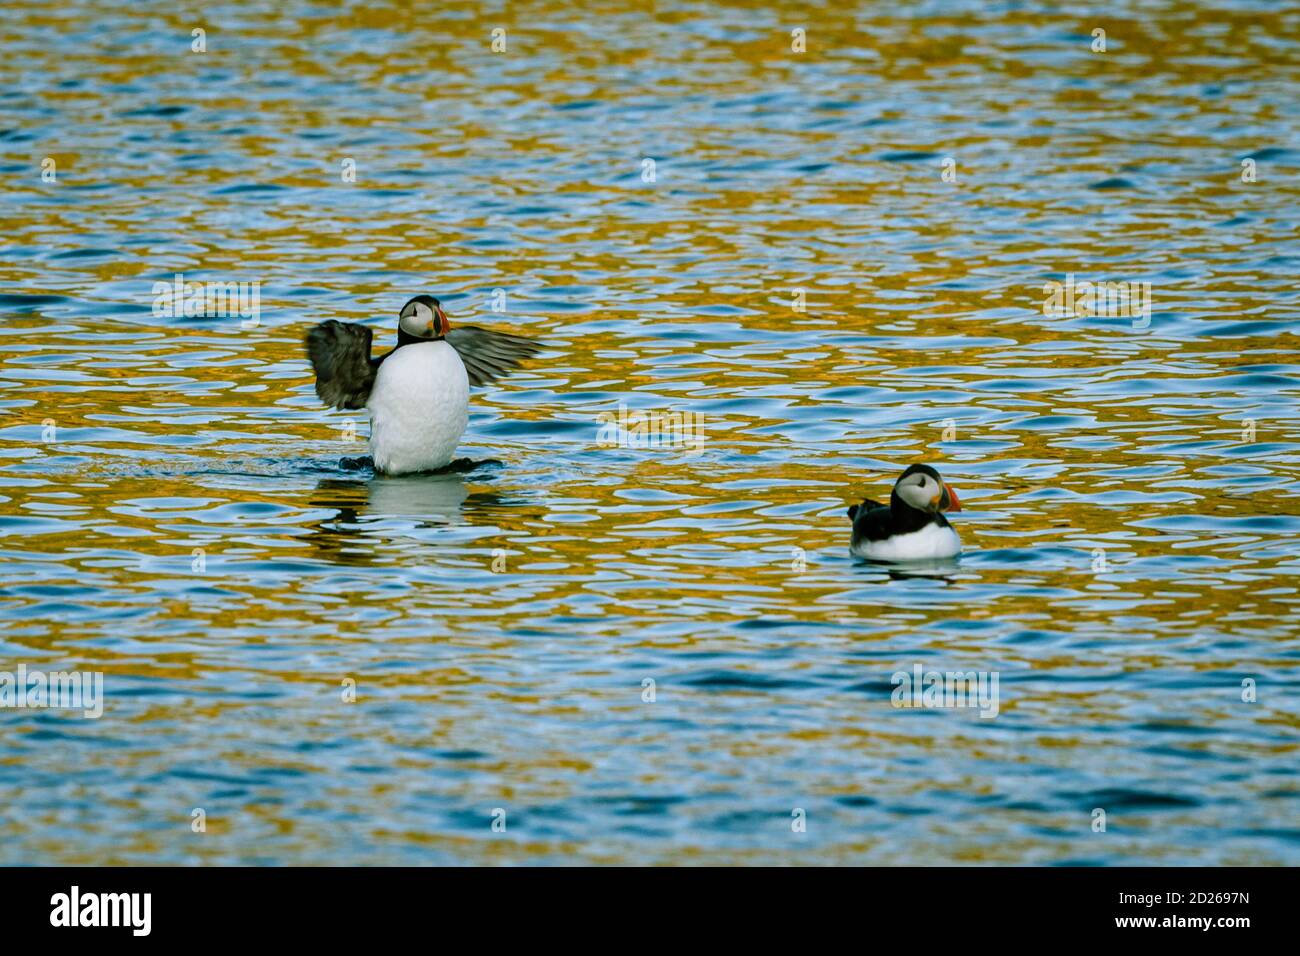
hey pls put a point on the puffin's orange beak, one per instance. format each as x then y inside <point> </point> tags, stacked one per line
<point>440,319</point>
<point>954,503</point>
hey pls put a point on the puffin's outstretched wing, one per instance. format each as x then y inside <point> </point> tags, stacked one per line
<point>490,355</point>
<point>340,356</point>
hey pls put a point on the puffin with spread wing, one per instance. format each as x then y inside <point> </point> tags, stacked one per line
<point>417,393</point>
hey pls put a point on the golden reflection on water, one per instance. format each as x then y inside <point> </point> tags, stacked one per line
<point>522,687</point>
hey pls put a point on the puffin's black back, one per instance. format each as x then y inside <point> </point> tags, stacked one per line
<point>873,521</point>
<point>867,505</point>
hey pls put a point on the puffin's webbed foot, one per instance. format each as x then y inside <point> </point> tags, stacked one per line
<point>356,464</point>
<point>462,465</point>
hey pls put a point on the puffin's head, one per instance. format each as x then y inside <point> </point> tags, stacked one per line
<point>423,318</point>
<point>921,488</point>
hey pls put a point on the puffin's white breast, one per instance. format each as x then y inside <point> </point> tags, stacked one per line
<point>932,541</point>
<point>419,408</point>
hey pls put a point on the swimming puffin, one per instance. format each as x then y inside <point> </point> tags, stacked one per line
<point>912,526</point>
<point>417,393</point>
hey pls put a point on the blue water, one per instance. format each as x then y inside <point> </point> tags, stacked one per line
<point>173,514</point>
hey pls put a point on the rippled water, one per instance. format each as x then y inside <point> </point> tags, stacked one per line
<point>173,512</point>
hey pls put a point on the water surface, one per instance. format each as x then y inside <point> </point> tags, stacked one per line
<point>173,514</point>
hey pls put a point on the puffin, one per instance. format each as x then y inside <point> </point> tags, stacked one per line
<point>912,526</point>
<point>418,392</point>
